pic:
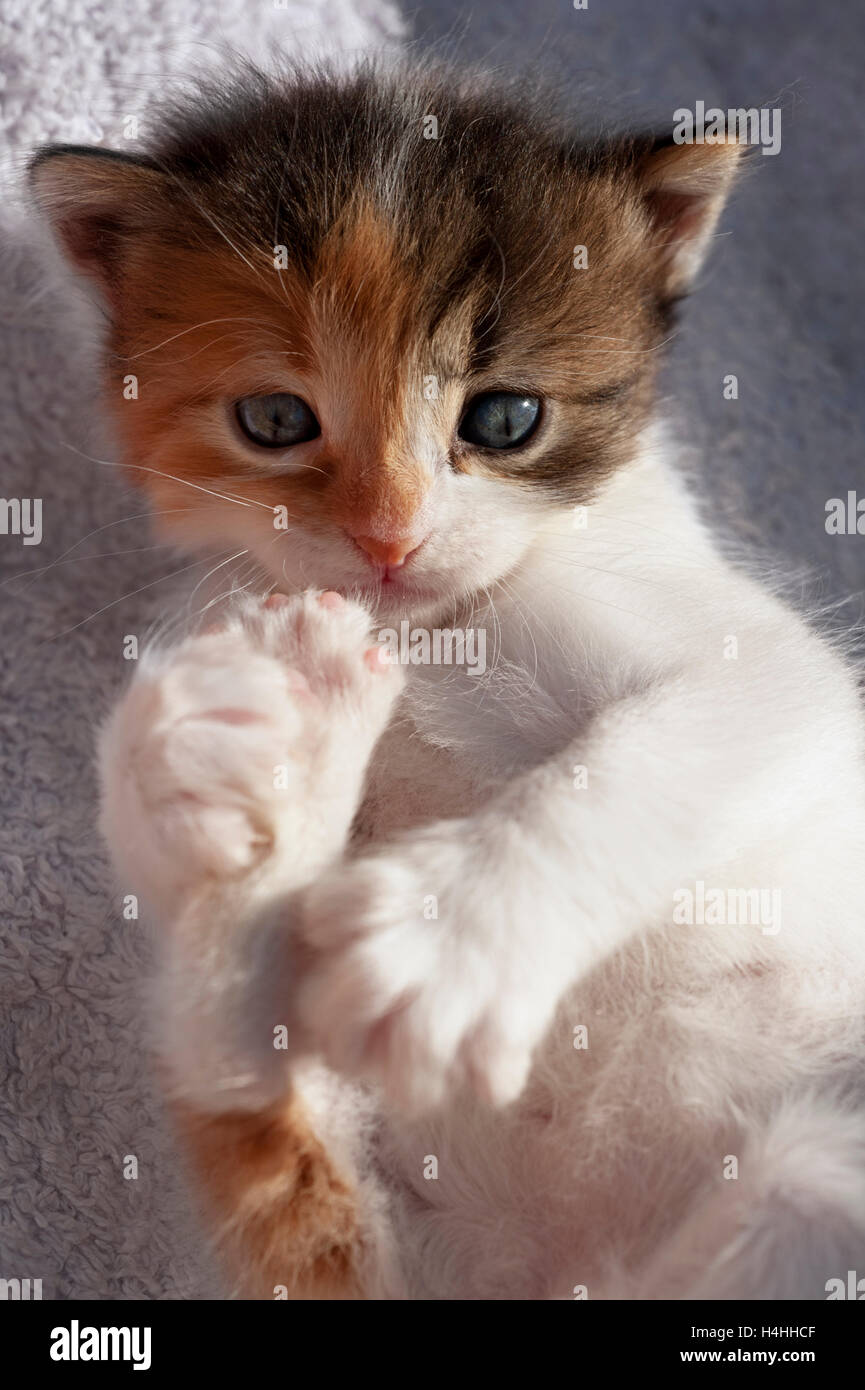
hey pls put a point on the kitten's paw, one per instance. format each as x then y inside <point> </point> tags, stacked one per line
<point>244,748</point>
<point>427,974</point>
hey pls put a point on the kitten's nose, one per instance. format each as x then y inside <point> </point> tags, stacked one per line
<point>389,553</point>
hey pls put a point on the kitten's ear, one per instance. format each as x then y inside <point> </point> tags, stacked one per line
<point>685,188</point>
<point>95,201</point>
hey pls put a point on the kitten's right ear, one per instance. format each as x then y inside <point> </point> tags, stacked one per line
<point>95,200</point>
<point>685,187</point>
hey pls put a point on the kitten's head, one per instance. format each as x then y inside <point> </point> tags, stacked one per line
<point>352,328</point>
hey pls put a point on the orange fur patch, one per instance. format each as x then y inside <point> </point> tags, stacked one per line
<point>284,1217</point>
<point>200,329</point>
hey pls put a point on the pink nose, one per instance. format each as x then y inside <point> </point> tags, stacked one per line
<point>390,553</point>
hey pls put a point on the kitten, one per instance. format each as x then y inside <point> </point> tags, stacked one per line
<point>539,984</point>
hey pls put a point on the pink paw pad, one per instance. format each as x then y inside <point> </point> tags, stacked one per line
<point>377,658</point>
<point>232,715</point>
<point>331,599</point>
<point>297,682</point>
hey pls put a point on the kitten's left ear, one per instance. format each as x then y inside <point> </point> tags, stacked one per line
<point>685,188</point>
<point>96,200</point>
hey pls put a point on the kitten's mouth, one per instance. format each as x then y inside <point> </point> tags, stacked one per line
<point>392,588</point>
<point>376,594</point>
<point>395,595</point>
<point>398,596</point>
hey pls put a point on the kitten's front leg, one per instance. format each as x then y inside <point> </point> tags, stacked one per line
<point>231,772</point>
<point>438,963</point>
<point>441,961</point>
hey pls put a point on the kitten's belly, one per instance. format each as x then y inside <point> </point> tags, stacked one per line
<point>450,752</point>
<point>410,782</point>
<point>532,1202</point>
<point>583,1179</point>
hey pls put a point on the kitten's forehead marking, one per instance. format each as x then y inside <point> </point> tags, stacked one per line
<point>364,325</point>
<point>398,384</point>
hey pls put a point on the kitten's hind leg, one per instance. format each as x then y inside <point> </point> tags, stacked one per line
<point>292,1215</point>
<point>790,1223</point>
<point>284,1217</point>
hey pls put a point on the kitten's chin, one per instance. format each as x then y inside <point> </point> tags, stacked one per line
<point>389,607</point>
<point>394,601</point>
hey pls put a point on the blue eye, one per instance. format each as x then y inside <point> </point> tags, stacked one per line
<point>500,419</point>
<point>276,421</point>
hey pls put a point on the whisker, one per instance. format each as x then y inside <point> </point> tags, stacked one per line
<point>185,614</point>
<point>138,516</point>
<point>113,604</point>
<point>236,556</point>
<point>206,323</point>
<point>520,614</point>
<point>99,555</point>
<point>161,624</point>
<point>211,220</point>
<point>159,473</point>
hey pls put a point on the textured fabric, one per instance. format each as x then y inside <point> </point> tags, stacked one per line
<point>76,1092</point>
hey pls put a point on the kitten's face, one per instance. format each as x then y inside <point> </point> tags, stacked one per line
<point>373,359</point>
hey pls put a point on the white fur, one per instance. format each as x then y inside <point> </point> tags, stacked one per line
<point>557,1168</point>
